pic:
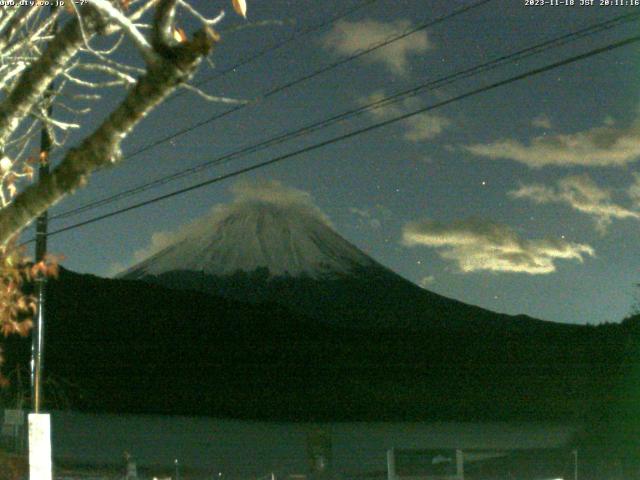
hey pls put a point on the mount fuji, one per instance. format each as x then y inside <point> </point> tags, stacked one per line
<point>272,245</point>
<point>263,311</point>
<point>281,238</point>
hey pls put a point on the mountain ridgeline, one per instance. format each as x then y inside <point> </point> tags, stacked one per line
<point>265,312</point>
<point>137,347</point>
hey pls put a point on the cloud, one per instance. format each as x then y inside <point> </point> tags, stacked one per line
<point>427,281</point>
<point>477,245</point>
<point>245,195</point>
<point>602,146</point>
<point>365,218</point>
<point>373,218</point>
<point>159,241</point>
<point>581,193</point>
<point>418,128</point>
<point>348,38</point>
<point>115,268</point>
<point>633,192</point>
<point>271,191</point>
<point>541,121</point>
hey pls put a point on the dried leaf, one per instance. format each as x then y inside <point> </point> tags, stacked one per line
<point>42,267</point>
<point>39,268</point>
<point>23,328</point>
<point>179,35</point>
<point>7,328</point>
<point>28,171</point>
<point>53,270</point>
<point>213,35</point>
<point>240,6</point>
<point>22,304</point>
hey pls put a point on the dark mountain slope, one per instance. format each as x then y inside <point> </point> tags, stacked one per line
<point>134,347</point>
<point>367,297</point>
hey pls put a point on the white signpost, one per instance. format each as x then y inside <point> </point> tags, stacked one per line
<point>40,446</point>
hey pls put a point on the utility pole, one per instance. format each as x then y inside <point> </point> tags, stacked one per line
<point>37,334</point>
<point>39,425</point>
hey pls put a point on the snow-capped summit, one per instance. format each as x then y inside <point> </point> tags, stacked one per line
<point>266,227</point>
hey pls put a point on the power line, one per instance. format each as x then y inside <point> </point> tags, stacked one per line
<point>308,129</point>
<point>295,36</point>
<point>492,86</point>
<point>391,39</point>
<point>277,46</point>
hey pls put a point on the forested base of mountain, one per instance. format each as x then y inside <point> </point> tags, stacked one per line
<point>126,346</point>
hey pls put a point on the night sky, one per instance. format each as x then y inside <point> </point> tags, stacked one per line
<point>522,199</point>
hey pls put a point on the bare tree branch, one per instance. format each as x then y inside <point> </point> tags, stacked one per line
<point>35,79</point>
<point>102,148</point>
<point>128,27</point>
<point>40,66</point>
<point>163,25</point>
<point>14,24</point>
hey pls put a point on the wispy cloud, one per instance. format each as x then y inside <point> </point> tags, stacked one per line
<point>372,217</point>
<point>482,245</point>
<point>606,145</point>
<point>633,192</point>
<point>365,218</point>
<point>418,128</point>
<point>427,281</point>
<point>581,193</point>
<point>348,38</point>
<point>159,241</point>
